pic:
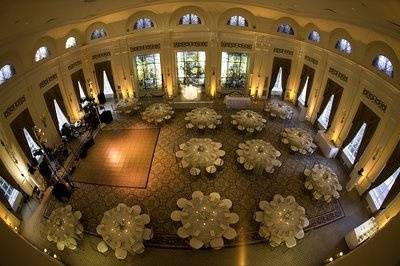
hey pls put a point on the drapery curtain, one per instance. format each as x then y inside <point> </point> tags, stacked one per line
<point>363,115</point>
<point>285,64</point>
<point>99,68</point>
<point>306,72</point>
<point>23,120</point>
<point>52,94</point>
<point>391,166</point>
<point>76,77</point>
<point>332,88</point>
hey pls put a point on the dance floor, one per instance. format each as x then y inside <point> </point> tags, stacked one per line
<point>120,157</point>
<point>167,182</point>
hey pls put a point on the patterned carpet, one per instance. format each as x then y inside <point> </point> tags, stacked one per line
<point>167,182</point>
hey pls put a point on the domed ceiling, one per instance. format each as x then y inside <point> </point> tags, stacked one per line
<point>25,16</point>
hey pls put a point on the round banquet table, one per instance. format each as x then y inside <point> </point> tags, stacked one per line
<point>258,156</point>
<point>299,140</point>
<point>200,154</point>
<point>123,229</point>
<point>282,221</point>
<point>205,220</point>
<point>323,182</point>
<point>247,120</point>
<point>279,109</point>
<point>203,118</point>
<point>64,228</point>
<point>157,113</point>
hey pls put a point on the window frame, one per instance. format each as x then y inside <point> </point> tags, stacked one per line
<point>39,54</point>
<point>102,31</point>
<point>316,34</point>
<point>285,28</point>
<point>71,46</point>
<point>387,69</point>
<point>347,50</point>
<point>199,64</point>
<point>11,73</point>
<point>237,24</point>
<point>144,18</point>
<point>191,19</point>
<point>158,75</point>
<point>229,63</point>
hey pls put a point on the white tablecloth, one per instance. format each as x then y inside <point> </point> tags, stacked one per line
<point>205,220</point>
<point>237,102</point>
<point>282,221</point>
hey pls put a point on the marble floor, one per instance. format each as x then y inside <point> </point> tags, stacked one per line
<point>167,183</point>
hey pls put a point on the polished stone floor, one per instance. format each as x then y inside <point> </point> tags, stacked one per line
<point>167,183</point>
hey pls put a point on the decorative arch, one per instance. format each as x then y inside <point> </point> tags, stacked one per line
<point>225,17</point>
<point>47,43</point>
<point>179,13</point>
<point>377,48</point>
<point>95,26</point>
<point>334,41</point>
<point>139,15</point>
<point>309,31</point>
<point>286,21</point>
<point>73,34</point>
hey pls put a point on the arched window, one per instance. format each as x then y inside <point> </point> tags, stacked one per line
<point>143,23</point>
<point>42,53</point>
<point>285,28</point>
<point>238,21</point>
<point>314,36</point>
<point>382,63</point>
<point>98,33</point>
<point>6,72</point>
<point>344,46</point>
<point>70,42</point>
<point>189,19</point>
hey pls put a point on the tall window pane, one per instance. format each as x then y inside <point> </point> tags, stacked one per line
<point>277,89</point>
<point>302,96</point>
<point>9,192</point>
<point>352,149</point>
<point>148,69</point>
<point>379,193</point>
<point>6,72</point>
<point>61,118</point>
<point>324,117</point>
<point>234,70</point>
<point>33,146</point>
<point>191,68</point>
<point>108,92</point>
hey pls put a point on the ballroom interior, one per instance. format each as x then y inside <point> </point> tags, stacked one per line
<point>182,132</point>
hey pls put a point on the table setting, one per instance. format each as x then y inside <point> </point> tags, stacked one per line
<point>127,106</point>
<point>282,221</point>
<point>299,140</point>
<point>323,183</point>
<point>203,118</point>
<point>123,229</point>
<point>279,109</point>
<point>64,227</point>
<point>205,220</point>
<point>248,120</point>
<point>258,156</point>
<point>200,155</point>
<point>158,113</point>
